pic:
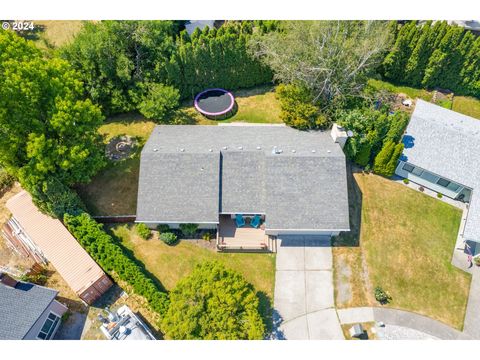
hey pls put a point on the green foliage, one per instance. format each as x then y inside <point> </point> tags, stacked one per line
<point>54,198</point>
<point>207,236</point>
<point>331,59</point>
<point>143,231</point>
<point>161,228</point>
<point>215,58</point>
<point>159,102</point>
<point>213,303</point>
<point>114,57</point>
<point>39,278</point>
<point>297,108</point>
<point>114,260</point>
<point>47,129</point>
<point>118,58</point>
<point>381,295</point>
<point>438,55</point>
<point>6,180</point>
<point>168,238</point>
<point>387,159</point>
<point>371,129</point>
<point>406,181</point>
<point>188,230</point>
<point>439,195</point>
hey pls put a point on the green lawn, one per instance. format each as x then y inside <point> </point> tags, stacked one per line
<point>467,105</point>
<point>410,91</point>
<point>258,105</point>
<point>405,245</point>
<point>169,264</point>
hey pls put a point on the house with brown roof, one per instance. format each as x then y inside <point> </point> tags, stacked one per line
<point>46,239</point>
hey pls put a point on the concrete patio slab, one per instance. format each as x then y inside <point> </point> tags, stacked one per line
<point>289,298</point>
<point>319,290</point>
<point>324,325</point>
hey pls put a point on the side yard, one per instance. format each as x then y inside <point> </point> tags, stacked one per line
<point>402,240</point>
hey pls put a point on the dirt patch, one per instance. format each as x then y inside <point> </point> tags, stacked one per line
<point>121,147</point>
<point>342,280</point>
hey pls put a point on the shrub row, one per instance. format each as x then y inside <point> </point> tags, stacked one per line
<point>112,258</point>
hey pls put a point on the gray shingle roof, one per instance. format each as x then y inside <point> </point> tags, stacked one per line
<point>448,144</point>
<point>178,187</point>
<point>239,164</point>
<point>20,308</point>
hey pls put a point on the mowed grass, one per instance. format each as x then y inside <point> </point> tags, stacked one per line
<point>258,105</point>
<point>55,33</point>
<point>410,91</point>
<point>467,105</point>
<point>169,264</point>
<point>113,191</point>
<point>406,242</point>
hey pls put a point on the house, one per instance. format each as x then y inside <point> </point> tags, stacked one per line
<point>442,152</point>
<point>46,239</point>
<point>28,311</point>
<point>289,181</point>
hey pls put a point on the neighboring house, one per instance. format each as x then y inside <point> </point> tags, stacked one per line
<point>46,239</point>
<point>294,181</point>
<point>28,311</point>
<point>442,153</point>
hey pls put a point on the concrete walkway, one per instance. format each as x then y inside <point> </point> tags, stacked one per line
<point>304,300</point>
<point>471,326</point>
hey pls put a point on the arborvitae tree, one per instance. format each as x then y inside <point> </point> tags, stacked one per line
<point>383,158</point>
<point>415,67</point>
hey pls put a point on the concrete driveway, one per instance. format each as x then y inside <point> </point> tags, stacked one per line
<point>303,301</point>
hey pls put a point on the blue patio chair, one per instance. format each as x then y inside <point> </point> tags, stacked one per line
<point>256,221</point>
<point>239,220</point>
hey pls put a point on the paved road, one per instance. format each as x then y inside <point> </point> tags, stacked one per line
<point>303,300</point>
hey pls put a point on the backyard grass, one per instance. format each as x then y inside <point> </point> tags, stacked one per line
<point>410,91</point>
<point>258,105</point>
<point>467,105</point>
<point>405,245</point>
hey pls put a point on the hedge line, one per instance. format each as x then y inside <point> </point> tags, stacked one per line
<point>112,258</point>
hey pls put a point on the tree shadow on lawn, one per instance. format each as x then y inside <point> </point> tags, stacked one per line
<point>355,199</point>
<point>258,90</point>
<point>266,311</point>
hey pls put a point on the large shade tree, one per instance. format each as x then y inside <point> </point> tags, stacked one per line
<point>213,303</point>
<point>47,130</point>
<point>330,58</point>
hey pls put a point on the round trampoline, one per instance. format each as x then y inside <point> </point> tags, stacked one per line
<point>215,103</point>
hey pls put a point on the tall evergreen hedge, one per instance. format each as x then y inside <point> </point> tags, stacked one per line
<point>435,55</point>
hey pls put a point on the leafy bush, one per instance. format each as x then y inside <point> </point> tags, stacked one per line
<point>213,303</point>
<point>38,278</point>
<point>168,238</point>
<point>297,109</point>
<point>406,181</point>
<point>387,159</point>
<point>439,195</point>
<point>161,228</point>
<point>56,199</point>
<point>159,102</point>
<point>6,180</point>
<point>476,260</point>
<point>188,230</point>
<point>381,295</point>
<point>143,231</point>
<point>114,260</point>
<point>207,236</point>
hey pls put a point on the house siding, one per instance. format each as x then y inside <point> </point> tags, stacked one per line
<point>55,307</point>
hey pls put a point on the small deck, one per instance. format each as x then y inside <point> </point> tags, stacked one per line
<point>246,238</point>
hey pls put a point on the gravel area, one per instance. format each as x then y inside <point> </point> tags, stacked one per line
<point>394,332</point>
